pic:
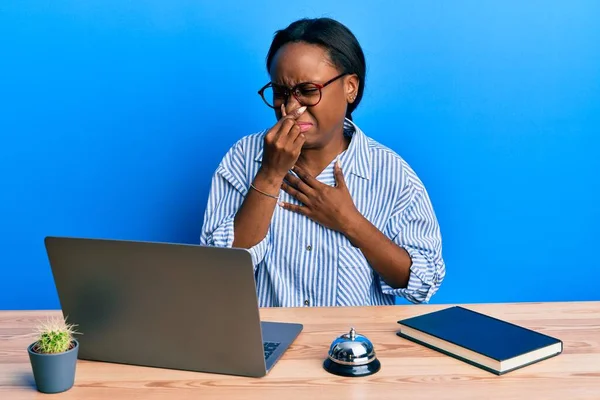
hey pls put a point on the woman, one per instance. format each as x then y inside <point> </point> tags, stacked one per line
<point>330,217</point>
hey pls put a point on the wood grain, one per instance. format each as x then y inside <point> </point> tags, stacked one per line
<point>409,371</point>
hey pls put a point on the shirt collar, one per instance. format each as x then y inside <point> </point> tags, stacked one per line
<point>356,159</point>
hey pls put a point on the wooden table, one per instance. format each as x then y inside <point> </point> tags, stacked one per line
<point>409,371</point>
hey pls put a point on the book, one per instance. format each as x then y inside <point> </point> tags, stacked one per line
<point>486,342</point>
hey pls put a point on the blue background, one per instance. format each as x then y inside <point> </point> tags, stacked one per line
<point>114,115</point>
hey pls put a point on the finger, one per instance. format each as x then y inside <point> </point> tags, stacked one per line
<point>296,113</point>
<point>293,207</point>
<point>298,143</point>
<point>298,195</point>
<point>285,121</point>
<point>287,128</point>
<point>339,175</point>
<point>299,184</point>
<point>292,142</point>
<point>300,139</point>
<point>276,130</point>
<point>306,177</point>
<point>293,134</point>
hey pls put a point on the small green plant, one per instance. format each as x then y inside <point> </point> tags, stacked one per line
<point>54,335</point>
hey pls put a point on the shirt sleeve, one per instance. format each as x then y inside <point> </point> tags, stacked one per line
<point>414,227</point>
<point>226,195</point>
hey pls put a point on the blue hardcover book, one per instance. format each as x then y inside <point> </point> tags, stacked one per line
<point>489,343</point>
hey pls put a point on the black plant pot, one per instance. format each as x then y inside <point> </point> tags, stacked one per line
<point>54,373</point>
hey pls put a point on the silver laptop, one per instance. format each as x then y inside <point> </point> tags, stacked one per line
<point>166,305</point>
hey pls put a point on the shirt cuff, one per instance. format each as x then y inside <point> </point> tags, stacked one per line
<point>424,279</point>
<point>224,234</point>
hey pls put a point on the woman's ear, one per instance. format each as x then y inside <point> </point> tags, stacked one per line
<point>351,85</point>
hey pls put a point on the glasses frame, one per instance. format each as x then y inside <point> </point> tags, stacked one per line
<point>292,91</point>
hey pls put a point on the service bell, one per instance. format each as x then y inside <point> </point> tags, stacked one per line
<point>352,354</point>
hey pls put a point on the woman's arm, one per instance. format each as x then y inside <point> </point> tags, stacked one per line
<point>282,146</point>
<point>252,220</point>
<point>237,215</point>
<point>407,255</point>
<point>389,260</point>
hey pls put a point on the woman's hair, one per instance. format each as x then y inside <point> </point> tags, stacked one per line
<point>341,44</point>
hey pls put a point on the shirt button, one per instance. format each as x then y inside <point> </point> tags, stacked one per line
<point>306,302</point>
<point>309,248</point>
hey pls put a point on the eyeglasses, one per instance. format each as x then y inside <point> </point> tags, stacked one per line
<point>306,93</point>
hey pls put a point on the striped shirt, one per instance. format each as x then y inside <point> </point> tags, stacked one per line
<point>302,263</point>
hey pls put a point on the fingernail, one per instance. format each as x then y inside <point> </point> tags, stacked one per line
<point>280,204</point>
<point>301,110</point>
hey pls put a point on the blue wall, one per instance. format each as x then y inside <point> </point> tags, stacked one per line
<point>113,116</point>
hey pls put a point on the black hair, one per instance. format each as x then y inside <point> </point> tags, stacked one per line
<point>342,46</point>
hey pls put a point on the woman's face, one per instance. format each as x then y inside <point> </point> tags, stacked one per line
<point>301,62</point>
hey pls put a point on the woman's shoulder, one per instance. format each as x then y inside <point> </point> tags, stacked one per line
<point>367,144</point>
<point>378,149</point>
<point>386,160</point>
<point>248,146</point>
<point>383,155</point>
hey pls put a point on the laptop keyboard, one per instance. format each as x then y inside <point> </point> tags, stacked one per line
<point>269,348</point>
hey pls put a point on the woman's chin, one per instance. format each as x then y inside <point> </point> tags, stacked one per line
<point>311,139</point>
<point>309,144</point>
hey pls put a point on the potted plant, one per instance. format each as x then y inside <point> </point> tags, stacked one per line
<point>53,356</point>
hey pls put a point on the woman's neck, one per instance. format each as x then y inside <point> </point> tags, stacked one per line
<point>316,159</point>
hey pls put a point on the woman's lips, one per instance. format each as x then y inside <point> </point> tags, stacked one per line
<point>304,126</point>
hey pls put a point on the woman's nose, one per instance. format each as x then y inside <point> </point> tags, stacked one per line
<point>291,104</point>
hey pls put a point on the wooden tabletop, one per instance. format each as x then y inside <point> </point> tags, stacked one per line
<point>408,371</point>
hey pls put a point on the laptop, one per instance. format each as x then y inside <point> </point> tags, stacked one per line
<point>175,306</point>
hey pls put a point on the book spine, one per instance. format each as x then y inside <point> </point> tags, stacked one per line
<point>493,371</point>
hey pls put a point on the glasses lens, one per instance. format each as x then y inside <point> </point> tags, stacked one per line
<point>308,94</point>
<point>274,96</point>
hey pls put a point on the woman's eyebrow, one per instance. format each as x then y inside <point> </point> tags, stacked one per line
<point>291,83</point>
<point>282,83</point>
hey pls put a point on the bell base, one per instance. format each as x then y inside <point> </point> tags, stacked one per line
<point>352,370</point>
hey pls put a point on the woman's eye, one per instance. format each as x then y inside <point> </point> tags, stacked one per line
<point>308,90</point>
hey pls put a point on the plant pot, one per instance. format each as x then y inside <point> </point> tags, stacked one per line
<point>54,373</point>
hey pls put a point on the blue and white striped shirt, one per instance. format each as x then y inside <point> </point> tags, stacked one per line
<point>300,262</point>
